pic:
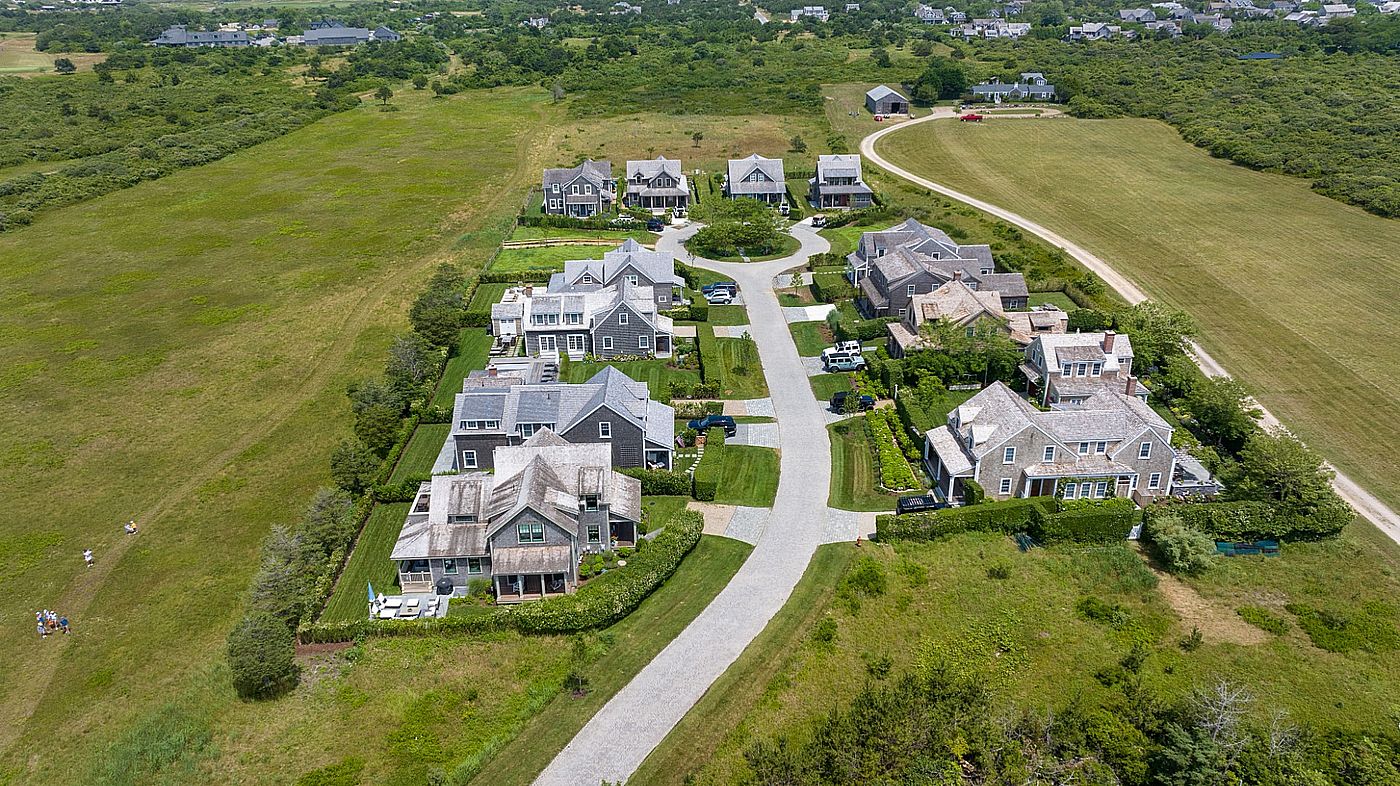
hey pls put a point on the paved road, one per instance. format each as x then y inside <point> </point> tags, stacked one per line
<point>612,745</point>
<point>1364,502</point>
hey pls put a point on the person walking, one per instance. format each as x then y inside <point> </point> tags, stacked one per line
<point>87,557</point>
<point>63,624</point>
<point>43,631</point>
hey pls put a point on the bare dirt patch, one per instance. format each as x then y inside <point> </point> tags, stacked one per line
<point>1218,624</point>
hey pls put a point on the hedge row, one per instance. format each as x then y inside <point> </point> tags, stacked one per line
<point>831,287</point>
<point>515,277</point>
<point>1244,521</point>
<point>660,482</point>
<point>698,311</point>
<point>706,484</point>
<point>859,329</point>
<point>601,602</point>
<point>895,472</point>
<point>698,409</point>
<point>1108,521</point>
<point>681,390</point>
<point>1007,517</point>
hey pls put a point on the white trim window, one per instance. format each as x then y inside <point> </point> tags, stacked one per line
<point>1005,487</point>
<point>605,429</point>
<point>1066,369</point>
<point>1049,453</point>
<point>607,342</point>
<point>622,318</point>
<point>911,289</point>
<point>1084,448</point>
<point>1101,489</point>
<point>595,533</point>
<point>449,567</point>
<point>1008,456</point>
<point>529,532</point>
<point>469,459</point>
<point>1070,490</point>
<point>1100,448</point>
<point>631,280</point>
<point>1154,481</point>
<point>1145,450</point>
<point>556,188</point>
<point>473,565</point>
<point>644,342</point>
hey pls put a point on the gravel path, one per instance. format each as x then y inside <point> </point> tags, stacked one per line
<point>1365,503</point>
<point>616,740</point>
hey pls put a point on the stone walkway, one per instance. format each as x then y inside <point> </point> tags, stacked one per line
<point>731,331</point>
<point>758,435</point>
<point>807,313</point>
<point>616,740</point>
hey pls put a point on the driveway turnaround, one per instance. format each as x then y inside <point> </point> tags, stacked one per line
<point>617,739</point>
<point>1365,503</point>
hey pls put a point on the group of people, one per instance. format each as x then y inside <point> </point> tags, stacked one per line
<point>49,621</point>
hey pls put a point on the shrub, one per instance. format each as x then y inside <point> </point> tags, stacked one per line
<point>825,631</point>
<point>706,477</point>
<point>895,472</point>
<point>262,656</point>
<point>1000,571</point>
<point>973,493</point>
<point>403,491</point>
<point>831,287</point>
<point>1006,517</point>
<point>353,466</point>
<point>1180,548</point>
<point>1263,619</point>
<point>1337,631</point>
<point>866,577</point>
<point>1103,612</point>
<point>660,482</point>
<point>1108,521</point>
<point>1251,520</point>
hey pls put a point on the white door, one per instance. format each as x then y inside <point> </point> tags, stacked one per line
<point>547,343</point>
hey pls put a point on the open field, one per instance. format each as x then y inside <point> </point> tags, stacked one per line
<point>855,475</point>
<point>749,476</point>
<point>18,57</point>
<point>1301,311</point>
<point>1024,638</point>
<point>407,708</point>
<point>197,385</point>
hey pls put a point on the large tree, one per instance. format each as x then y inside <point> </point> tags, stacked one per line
<point>1157,332</point>
<point>943,79</point>
<point>1223,412</point>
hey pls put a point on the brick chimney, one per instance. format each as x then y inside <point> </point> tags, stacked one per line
<point>957,275</point>
<point>1131,389</point>
<point>1108,337</point>
<point>492,371</point>
<point>529,290</point>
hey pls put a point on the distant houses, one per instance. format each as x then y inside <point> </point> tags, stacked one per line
<point>817,12</point>
<point>581,191</point>
<point>885,100</point>
<point>1098,31</point>
<point>326,32</point>
<point>181,36</point>
<point>758,178</point>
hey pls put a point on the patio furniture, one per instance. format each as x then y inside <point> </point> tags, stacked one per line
<point>387,614</point>
<point>411,603</point>
<point>393,603</point>
<point>408,612</point>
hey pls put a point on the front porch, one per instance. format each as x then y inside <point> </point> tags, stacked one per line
<point>521,587</point>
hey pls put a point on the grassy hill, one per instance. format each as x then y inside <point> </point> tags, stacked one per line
<point>1293,291</point>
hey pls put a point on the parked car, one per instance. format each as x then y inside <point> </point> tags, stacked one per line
<point>714,421</point>
<point>818,221</point>
<point>730,286</point>
<point>844,362</point>
<point>842,348</point>
<point>655,225</point>
<point>719,297</point>
<point>838,401</point>
<point>918,504</point>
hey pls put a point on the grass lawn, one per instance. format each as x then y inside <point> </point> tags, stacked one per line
<point>1059,299</point>
<point>369,562</point>
<point>811,337</point>
<point>749,476</point>
<point>549,258</point>
<point>824,386</point>
<point>542,233</point>
<point>653,372</point>
<point>720,713</point>
<point>472,354</point>
<point>728,315</point>
<point>844,239</point>
<point>855,481</point>
<point>212,368</point>
<point>486,296</point>
<point>633,642</point>
<point>1313,342</point>
<point>1024,639</point>
<point>18,57</point>
<point>740,372</point>
<point>659,510</point>
<point>422,451</point>
<point>785,245</point>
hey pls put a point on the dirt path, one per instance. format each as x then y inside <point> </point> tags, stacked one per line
<point>1218,623</point>
<point>1365,503</point>
<point>77,597</point>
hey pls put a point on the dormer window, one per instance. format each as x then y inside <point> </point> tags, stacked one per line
<point>1097,370</point>
<point>1065,370</point>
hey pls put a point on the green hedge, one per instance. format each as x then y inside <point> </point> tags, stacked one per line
<point>1108,521</point>
<point>515,277</point>
<point>913,415</point>
<point>601,602</point>
<point>895,472</point>
<point>1247,520</point>
<point>860,329</point>
<point>660,482</point>
<point>706,477</point>
<point>1007,517</point>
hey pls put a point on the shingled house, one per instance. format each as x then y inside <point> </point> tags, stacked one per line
<point>656,185</point>
<point>885,100</point>
<point>1032,86</point>
<point>959,305</point>
<point>524,528</point>
<point>622,320</point>
<point>758,178</point>
<point>890,267</point>
<point>631,263</point>
<point>837,184</point>
<point>582,191</point>
<point>611,409</point>
<point>1070,368</point>
<point>1110,445</point>
<point>182,36</point>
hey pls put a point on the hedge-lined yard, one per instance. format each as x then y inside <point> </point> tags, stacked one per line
<point>549,258</point>
<point>656,373</point>
<point>368,563</point>
<point>810,337</point>
<point>855,481</point>
<point>472,353</point>
<point>422,452</point>
<point>748,476</point>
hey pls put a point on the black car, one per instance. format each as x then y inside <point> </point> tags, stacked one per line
<point>838,401</point>
<point>714,421</point>
<point>918,504</point>
<point>655,225</point>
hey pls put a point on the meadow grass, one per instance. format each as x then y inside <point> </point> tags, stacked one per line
<point>211,367</point>
<point>1296,311</point>
<point>18,57</point>
<point>541,233</point>
<point>855,477</point>
<point>423,449</point>
<point>369,562</point>
<point>844,239</point>
<point>548,258</point>
<point>748,476</point>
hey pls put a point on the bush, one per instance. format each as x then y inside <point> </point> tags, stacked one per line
<point>660,482</point>
<point>973,494</point>
<point>403,491</point>
<point>1180,548</point>
<point>1108,521</point>
<point>262,656</point>
<point>1006,517</point>
<point>1263,619</point>
<point>895,473</point>
<point>1250,520</point>
<point>706,477</point>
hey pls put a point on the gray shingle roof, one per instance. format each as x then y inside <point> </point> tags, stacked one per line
<point>883,91</point>
<point>515,560</point>
<point>774,182</point>
<point>657,266</point>
<point>599,173</point>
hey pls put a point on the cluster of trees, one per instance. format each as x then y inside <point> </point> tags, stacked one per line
<point>736,225</point>
<point>946,726</point>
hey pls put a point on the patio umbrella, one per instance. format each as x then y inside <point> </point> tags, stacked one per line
<point>371,591</point>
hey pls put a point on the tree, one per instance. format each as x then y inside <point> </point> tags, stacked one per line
<point>283,580</point>
<point>557,91</point>
<point>1180,548</point>
<point>798,144</point>
<point>577,680</point>
<point>696,137</point>
<point>922,48</point>
<point>943,79</point>
<point>378,426</point>
<point>329,521</point>
<point>63,65</point>
<point>262,656</point>
<point>1279,468</point>
<point>1088,320</point>
<point>1157,332</point>
<point>881,57</point>
<point>353,467</point>
<point>412,363</point>
<point>437,316</point>
<point>1222,411</point>
<point>420,81</point>
<point>384,94</point>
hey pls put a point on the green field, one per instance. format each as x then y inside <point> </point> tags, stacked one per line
<point>195,380</point>
<point>855,477</point>
<point>472,353</point>
<point>824,386</point>
<point>548,258</point>
<point>1301,311</point>
<point>843,239</point>
<point>1022,635</point>
<point>368,563</point>
<point>748,476</point>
